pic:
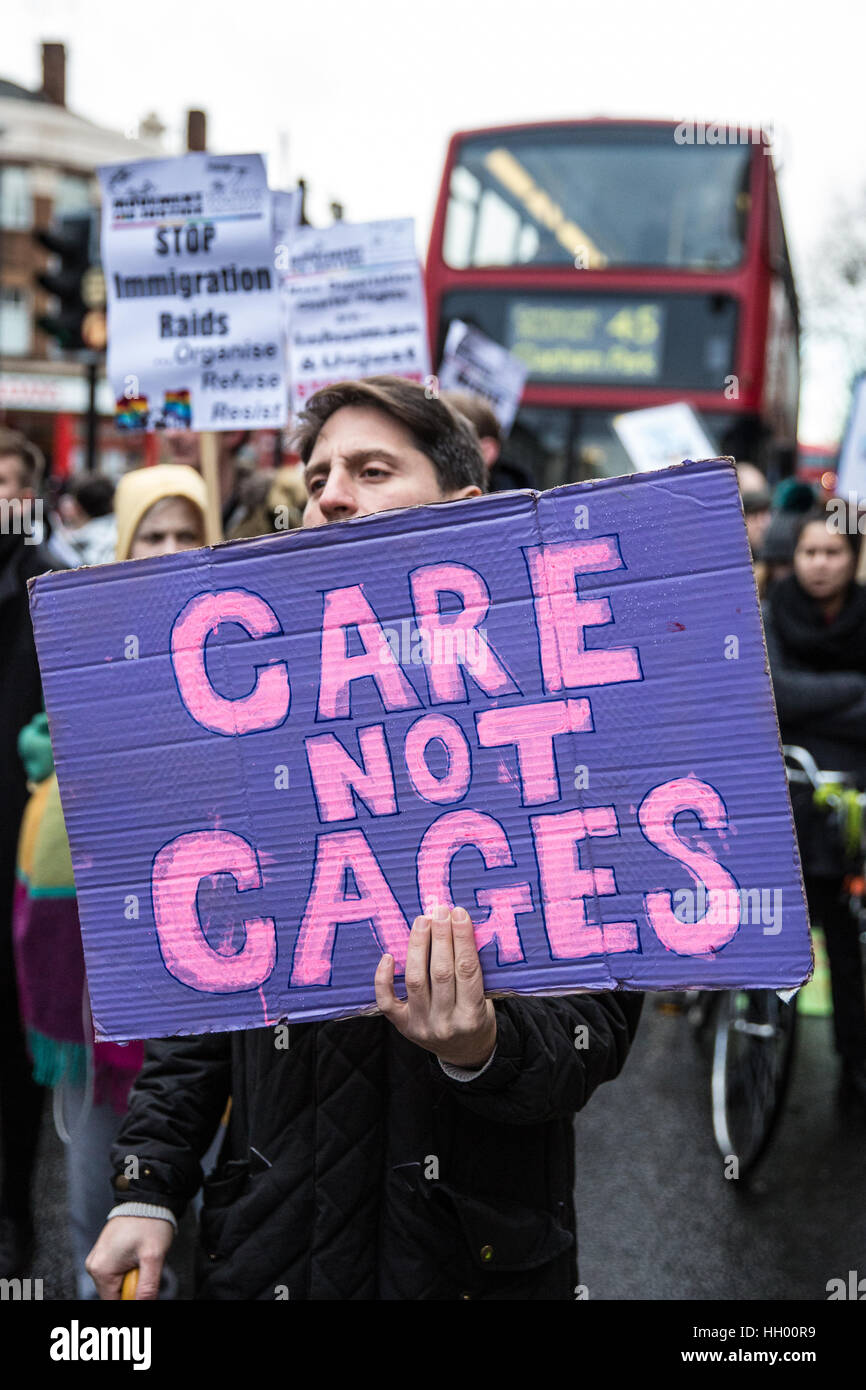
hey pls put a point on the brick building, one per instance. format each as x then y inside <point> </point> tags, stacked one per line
<point>48,155</point>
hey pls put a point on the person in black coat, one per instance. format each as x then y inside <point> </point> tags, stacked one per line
<point>427,1153</point>
<point>21,558</point>
<point>815,626</point>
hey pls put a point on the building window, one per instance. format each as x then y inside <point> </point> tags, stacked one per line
<point>72,194</point>
<point>16,199</point>
<point>15,322</point>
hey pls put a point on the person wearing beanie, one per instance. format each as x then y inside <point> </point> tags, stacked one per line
<point>159,510</point>
<point>776,556</point>
<point>794,495</point>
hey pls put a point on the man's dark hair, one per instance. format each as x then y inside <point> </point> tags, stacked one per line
<point>478,412</point>
<point>30,457</point>
<point>437,430</point>
<point>94,493</point>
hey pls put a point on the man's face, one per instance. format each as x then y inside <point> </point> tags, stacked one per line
<point>364,462</point>
<point>12,479</point>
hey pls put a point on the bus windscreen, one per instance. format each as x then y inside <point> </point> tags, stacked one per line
<point>596,198</point>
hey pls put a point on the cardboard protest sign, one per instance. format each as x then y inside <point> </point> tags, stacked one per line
<point>551,709</point>
<point>473,362</point>
<point>195,322</point>
<point>662,435</point>
<point>356,305</point>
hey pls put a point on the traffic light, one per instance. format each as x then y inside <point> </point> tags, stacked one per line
<point>73,238</point>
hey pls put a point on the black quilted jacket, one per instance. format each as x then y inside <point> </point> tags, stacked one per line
<point>354,1168</point>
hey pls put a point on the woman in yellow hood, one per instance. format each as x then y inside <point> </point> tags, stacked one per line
<point>160,510</point>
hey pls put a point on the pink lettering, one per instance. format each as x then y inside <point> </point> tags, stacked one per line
<point>532,728</point>
<point>657,815</point>
<point>267,704</point>
<point>328,906</point>
<point>345,608</point>
<point>335,774</point>
<point>453,639</point>
<point>565,886</point>
<point>442,841</point>
<point>178,870</point>
<point>561,617</point>
<point>455,781</point>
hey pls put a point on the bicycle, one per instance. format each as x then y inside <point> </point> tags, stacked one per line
<point>754,1031</point>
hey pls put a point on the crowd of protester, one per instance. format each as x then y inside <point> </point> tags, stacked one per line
<point>814,612</point>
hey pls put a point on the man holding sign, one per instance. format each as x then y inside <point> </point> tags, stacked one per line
<point>426,1153</point>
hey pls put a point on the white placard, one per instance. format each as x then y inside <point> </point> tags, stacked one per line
<point>195,326</point>
<point>473,362</point>
<point>356,305</point>
<point>287,218</point>
<point>663,435</point>
<point>851,473</point>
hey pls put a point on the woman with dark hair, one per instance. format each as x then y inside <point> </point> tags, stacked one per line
<point>815,625</point>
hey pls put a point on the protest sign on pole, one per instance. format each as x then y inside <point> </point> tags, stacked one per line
<point>287,218</point>
<point>473,362</point>
<point>195,321</point>
<point>356,305</point>
<point>549,709</point>
<point>662,435</point>
<point>851,472</point>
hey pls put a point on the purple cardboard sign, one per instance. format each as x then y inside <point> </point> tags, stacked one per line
<point>551,709</point>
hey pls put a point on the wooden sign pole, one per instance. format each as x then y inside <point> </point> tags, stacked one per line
<point>210,473</point>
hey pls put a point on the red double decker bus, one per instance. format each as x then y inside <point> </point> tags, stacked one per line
<point>629,264</point>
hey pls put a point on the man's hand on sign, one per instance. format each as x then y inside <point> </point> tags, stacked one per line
<point>445,1010</point>
<point>125,1243</point>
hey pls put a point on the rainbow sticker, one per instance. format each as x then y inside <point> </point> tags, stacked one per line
<point>131,413</point>
<point>177,409</point>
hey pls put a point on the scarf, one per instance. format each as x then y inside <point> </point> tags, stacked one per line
<point>839,645</point>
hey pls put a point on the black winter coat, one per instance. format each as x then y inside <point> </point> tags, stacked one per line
<point>824,711</point>
<point>20,697</point>
<point>355,1168</point>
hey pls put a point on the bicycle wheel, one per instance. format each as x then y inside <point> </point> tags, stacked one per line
<point>752,1054</point>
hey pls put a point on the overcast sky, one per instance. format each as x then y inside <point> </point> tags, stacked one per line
<point>360,98</point>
